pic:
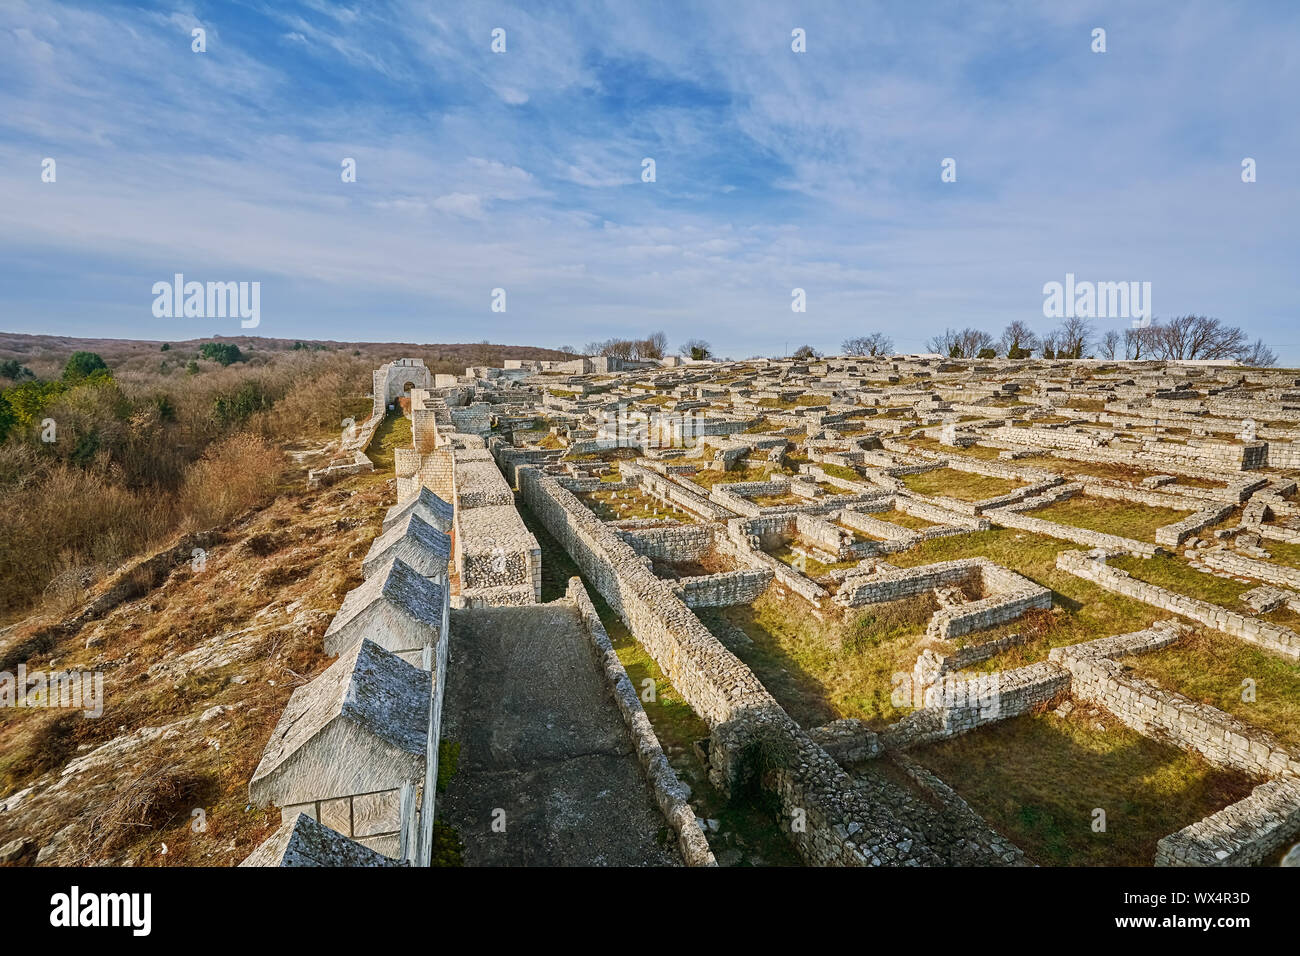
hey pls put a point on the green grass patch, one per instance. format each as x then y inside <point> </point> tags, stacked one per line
<point>841,471</point>
<point>448,763</point>
<point>962,485</point>
<point>1174,573</point>
<point>1126,519</point>
<point>903,519</point>
<point>1212,668</point>
<point>1081,610</point>
<point>839,666</point>
<point>1283,552</point>
<point>393,432</point>
<point>1039,778</point>
<point>969,451</point>
<point>707,477</point>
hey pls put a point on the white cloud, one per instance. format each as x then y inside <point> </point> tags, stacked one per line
<point>460,204</point>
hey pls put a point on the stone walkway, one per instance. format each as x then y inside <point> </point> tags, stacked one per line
<point>541,739</point>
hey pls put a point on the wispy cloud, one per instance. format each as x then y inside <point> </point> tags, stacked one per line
<point>522,170</point>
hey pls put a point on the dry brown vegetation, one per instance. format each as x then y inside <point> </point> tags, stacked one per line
<point>160,448</point>
<point>197,670</point>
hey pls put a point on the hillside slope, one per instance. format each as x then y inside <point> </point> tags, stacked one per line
<point>198,661</point>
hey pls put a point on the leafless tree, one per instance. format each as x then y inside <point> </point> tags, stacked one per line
<point>1050,344</point>
<point>877,343</point>
<point>653,346</point>
<point>615,348</point>
<point>1139,342</point>
<point>960,343</point>
<point>1258,354</point>
<point>1073,336</point>
<point>1199,337</point>
<point>1111,342</point>
<point>805,352</point>
<point>1018,340</point>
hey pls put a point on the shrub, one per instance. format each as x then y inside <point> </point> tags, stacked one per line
<point>82,365</point>
<point>27,401</point>
<point>233,476</point>
<point>7,417</point>
<point>223,353</point>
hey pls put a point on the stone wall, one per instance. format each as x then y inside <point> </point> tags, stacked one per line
<point>688,542</point>
<point>753,739</point>
<point>1265,634</point>
<point>965,826</point>
<point>1284,454</point>
<point>1175,534</point>
<point>746,547</point>
<point>653,483</point>
<point>670,793</point>
<point>1008,595</point>
<point>1241,834</point>
<point>716,684</point>
<point>1238,565</point>
<point>1153,711</point>
<point>725,589</point>
<point>990,611</point>
<point>884,582</point>
<point>955,705</point>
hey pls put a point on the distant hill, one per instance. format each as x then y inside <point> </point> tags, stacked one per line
<point>46,354</point>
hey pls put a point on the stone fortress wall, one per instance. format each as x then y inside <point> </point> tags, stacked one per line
<point>353,762</point>
<point>850,820</point>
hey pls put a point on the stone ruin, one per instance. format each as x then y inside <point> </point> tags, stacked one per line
<point>828,457</point>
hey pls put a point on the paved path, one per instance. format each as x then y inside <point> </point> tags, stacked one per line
<point>541,738</point>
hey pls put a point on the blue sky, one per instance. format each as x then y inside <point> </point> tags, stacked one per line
<point>522,170</point>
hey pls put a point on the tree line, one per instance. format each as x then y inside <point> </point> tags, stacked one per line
<point>1183,338</point>
<point>649,349</point>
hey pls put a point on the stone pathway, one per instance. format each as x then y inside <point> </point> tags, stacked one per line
<point>541,739</point>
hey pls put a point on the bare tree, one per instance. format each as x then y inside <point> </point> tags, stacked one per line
<point>875,344</point>
<point>1073,337</point>
<point>653,346</point>
<point>1110,343</point>
<point>615,348</point>
<point>960,343</point>
<point>1018,340</point>
<point>1199,337</point>
<point>805,352</point>
<point>1139,342</point>
<point>1049,344</point>
<point>1257,354</point>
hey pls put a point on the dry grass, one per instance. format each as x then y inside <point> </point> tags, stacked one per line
<point>1212,668</point>
<point>251,623</point>
<point>962,485</point>
<point>841,665</point>
<point>153,452</point>
<point>231,477</point>
<point>1038,780</point>
<point>969,451</point>
<point>1123,518</point>
<point>149,799</point>
<point>707,478</point>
